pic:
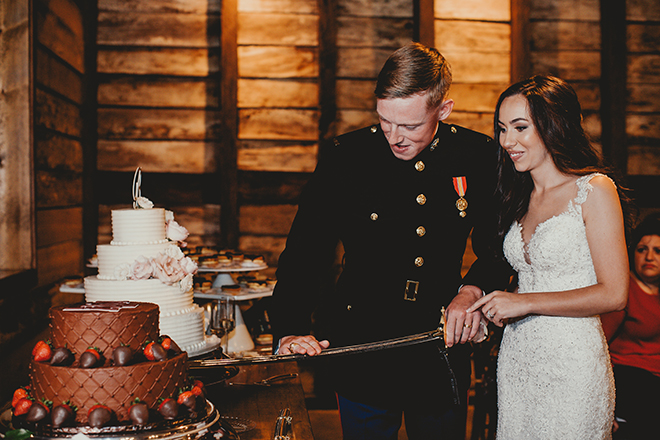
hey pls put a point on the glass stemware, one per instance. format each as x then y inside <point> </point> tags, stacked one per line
<point>223,320</point>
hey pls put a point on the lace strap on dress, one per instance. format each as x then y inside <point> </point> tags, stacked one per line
<point>585,187</point>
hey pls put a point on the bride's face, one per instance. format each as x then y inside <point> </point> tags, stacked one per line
<point>519,137</point>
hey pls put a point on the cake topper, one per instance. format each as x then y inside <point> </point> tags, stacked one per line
<point>138,200</point>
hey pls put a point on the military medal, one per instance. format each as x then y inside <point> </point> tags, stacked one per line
<point>460,185</point>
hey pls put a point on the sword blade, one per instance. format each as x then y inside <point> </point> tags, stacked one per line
<point>404,341</point>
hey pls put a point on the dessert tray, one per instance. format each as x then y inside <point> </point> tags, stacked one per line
<point>233,268</point>
<point>204,425</point>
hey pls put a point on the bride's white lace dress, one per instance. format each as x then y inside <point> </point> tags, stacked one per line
<point>554,374</point>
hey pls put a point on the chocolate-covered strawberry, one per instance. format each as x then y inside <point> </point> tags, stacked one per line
<point>42,351</point>
<point>63,415</point>
<point>198,388</point>
<point>122,355</point>
<point>168,408</point>
<point>153,351</point>
<point>91,358</point>
<point>169,344</point>
<point>99,415</point>
<point>39,410</point>
<point>139,412</point>
<point>62,356</point>
<point>187,399</point>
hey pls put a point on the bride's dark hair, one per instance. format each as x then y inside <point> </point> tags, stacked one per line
<point>556,114</point>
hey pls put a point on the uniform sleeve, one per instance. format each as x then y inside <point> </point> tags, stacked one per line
<point>309,254</point>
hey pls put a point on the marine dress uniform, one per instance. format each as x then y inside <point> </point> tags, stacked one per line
<point>403,226</point>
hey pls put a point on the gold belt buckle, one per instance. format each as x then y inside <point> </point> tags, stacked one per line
<point>410,294</point>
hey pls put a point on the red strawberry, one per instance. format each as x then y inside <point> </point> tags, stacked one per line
<point>42,351</point>
<point>168,344</point>
<point>63,414</point>
<point>99,415</point>
<point>19,394</point>
<point>168,408</point>
<point>90,357</point>
<point>186,398</point>
<point>153,351</point>
<point>22,406</point>
<point>198,388</point>
<point>39,410</point>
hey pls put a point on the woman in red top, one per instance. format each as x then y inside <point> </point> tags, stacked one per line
<point>634,337</point>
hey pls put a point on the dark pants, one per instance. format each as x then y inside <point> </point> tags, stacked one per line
<point>637,403</point>
<point>364,422</point>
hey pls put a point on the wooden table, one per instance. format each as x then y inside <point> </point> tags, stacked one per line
<point>262,404</point>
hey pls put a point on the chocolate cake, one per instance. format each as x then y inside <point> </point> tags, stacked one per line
<point>107,326</point>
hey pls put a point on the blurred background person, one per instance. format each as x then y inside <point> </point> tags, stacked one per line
<point>634,338</point>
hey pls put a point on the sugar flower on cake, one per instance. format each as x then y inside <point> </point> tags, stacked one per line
<point>142,203</point>
<point>142,269</point>
<point>170,267</point>
<point>173,230</point>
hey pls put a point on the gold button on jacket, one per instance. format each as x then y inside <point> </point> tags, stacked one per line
<point>421,231</point>
<point>421,199</point>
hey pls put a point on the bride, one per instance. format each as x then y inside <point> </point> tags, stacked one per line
<point>562,228</point>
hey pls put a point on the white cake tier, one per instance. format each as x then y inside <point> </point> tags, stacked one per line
<point>111,256</point>
<point>138,226</point>
<point>180,318</point>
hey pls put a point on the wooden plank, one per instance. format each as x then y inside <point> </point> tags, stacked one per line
<point>568,65</point>
<point>188,124</point>
<point>158,92</point>
<point>327,79</point>
<point>642,10</point>
<point>591,122</point>
<point>356,94</point>
<point>565,9</point>
<point>295,159</point>
<point>423,22</point>
<point>264,188</point>
<point>202,222</point>
<point>277,93</point>
<point>59,261</point>
<point>165,156</point>
<point>349,120</point>
<point>291,124</point>
<point>481,122</point>
<point>643,68</point>
<point>56,189</point>
<point>643,37</point>
<point>52,151</point>
<point>374,32</point>
<point>160,29</point>
<point>643,98</point>
<point>375,8</point>
<point>589,95</point>
<point>284,6</point>
<point>174,6</point>
<point>52,73</point>
<point>267,220</point>
<point>56,114</point>
<point>487,10</point>
<point>479,67</point>
<point>565,35</point>
<point>476,97</point>
<point>59,225</point>
<point>59,28</point>
<point>643,126</point>
<point>520,40</point>
<point>163,61</point>
<point>361,62</point>
<point>472,36</point>
<point>277,62</point>
<point>278,29</point>
<point>644,160</point>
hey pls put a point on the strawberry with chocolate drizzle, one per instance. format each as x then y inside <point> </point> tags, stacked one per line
<point>63,415</point>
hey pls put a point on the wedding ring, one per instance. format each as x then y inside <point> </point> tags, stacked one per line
<point>292,346</point>
<point>467,325</point>
<point>490,315</point>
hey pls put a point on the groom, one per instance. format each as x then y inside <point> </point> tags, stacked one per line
<point>402,197</point>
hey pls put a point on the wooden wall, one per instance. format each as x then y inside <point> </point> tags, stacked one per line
<point>16,224</point>
<point>59,69</point>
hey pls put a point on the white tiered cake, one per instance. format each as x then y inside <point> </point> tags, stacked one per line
<point>143,263</point>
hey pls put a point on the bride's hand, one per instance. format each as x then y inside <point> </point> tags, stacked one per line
<point>498,306</point>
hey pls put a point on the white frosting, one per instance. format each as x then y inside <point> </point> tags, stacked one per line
<point>110,256</point>
<point>138,226</point>
<point>141,233</point>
